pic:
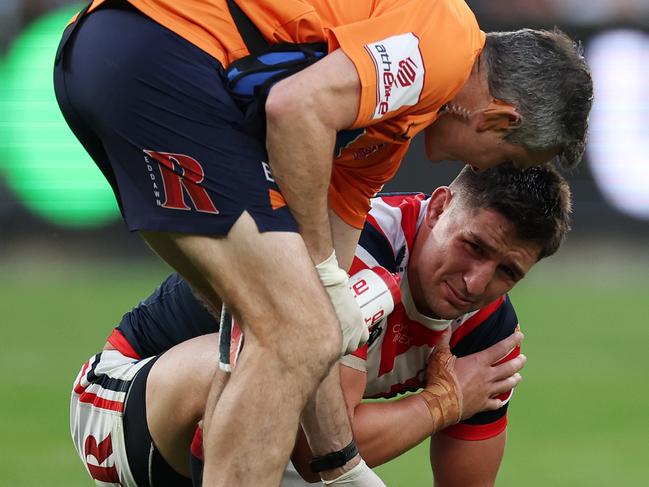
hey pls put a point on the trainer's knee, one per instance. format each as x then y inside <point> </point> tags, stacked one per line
<point>304,354</point>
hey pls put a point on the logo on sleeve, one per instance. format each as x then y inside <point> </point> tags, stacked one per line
<point>399,72</point>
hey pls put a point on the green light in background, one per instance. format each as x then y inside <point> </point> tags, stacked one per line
<point>42,161</point>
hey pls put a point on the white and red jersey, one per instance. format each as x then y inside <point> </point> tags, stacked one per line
<point>397,352</point>
<point>396,355</point>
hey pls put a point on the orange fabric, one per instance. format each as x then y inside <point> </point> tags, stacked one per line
<point>276,199</point>
<point>359,173</point>
<point>428,49</point>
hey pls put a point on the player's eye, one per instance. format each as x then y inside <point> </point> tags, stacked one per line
<point>509,272</point>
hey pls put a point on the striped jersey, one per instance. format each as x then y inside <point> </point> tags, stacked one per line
<point>397,352</point>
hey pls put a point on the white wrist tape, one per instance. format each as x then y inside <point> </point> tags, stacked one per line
<point>359,476</point>
<point>336,282</point>
<point>330,272</point>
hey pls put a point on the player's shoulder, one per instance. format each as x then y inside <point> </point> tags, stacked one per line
<point>390,211</point>
<point>480,329</point>
<point>390,228</point>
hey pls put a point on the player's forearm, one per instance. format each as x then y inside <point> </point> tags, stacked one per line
<point>300,148</point>
<point>385,430</point>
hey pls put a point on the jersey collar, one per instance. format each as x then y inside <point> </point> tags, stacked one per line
<point>414,314</point>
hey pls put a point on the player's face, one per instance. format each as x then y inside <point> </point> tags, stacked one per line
<point>465,260</point>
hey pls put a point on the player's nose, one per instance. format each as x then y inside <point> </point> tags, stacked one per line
<point>477,278</point>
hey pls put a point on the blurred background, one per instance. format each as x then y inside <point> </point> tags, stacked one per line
<point>70,269</point>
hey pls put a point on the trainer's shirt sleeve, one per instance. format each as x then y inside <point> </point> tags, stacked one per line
<point>411,56</point>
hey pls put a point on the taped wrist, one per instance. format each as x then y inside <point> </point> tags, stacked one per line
<point>359,476</point>
<point>335,459</point>
<point>330,272</point>
<point>443,395</point>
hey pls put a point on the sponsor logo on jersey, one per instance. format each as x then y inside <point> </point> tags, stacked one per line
<point>365,152</point>
<point>399,72</point>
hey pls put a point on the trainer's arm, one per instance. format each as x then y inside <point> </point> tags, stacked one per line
<point>304,112</point>
<point>461,463</point>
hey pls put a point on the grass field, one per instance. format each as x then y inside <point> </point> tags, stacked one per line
<point>579,417</point>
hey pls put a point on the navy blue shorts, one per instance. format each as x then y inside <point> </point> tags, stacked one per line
<point>152,111</point>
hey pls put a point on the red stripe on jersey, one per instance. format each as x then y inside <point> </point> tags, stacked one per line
<point>476,432</point>
<point>119,341</point>
<point>361,352</point>
<point>357,265</point>
<point>78,388</point>
<point>476,320</point>
<point>402,334</point>
<point>409,217</point>
<point>100,402</point>
<point>397,200</point>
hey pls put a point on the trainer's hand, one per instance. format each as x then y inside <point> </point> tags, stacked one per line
<point>336,283</point>
<point>481,381</point>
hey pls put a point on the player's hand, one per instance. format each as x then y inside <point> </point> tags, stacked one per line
<point>481,381</point>
<point>443,394</point>
<point>336,283</point>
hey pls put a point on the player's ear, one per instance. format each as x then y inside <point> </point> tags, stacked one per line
<point>499,116</point>
<point>439,201</point>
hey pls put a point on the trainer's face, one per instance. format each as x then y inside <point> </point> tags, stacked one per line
<point>458,140</point>
<point>463,259</point>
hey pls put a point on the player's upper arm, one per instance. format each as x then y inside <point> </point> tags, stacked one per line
<point>328,90</point>
<point>490,325</point>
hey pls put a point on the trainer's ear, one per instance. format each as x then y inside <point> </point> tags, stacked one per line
<point>439,201</point>
<point>499,116</point>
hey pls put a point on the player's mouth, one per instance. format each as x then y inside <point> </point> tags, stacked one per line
<point>456,298</point>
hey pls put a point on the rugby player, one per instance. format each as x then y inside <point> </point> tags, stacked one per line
<point>458,253</point>
<point>143,85</point>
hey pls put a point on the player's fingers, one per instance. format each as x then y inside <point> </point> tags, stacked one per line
<point>501,349</point>
<point>493,404</point>
<point>445,339</point>
<point>509,368</point>
<point>506,385</point>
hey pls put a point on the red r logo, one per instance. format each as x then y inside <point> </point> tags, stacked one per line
<point>101,452</point>
<point>182,172</point>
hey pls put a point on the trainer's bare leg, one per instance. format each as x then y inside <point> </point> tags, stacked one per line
<point>325,420</point>
<point>326,423</point>
<point>292,339</point>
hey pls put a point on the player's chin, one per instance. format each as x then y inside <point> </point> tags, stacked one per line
<point>449,311</point>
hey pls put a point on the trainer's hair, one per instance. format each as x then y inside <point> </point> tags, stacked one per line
<point>537,201</point>
<point>545,76</point>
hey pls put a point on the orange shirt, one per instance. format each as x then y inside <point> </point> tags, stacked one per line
<point>412,57</point>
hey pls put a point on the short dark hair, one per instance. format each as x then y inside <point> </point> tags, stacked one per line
<point>545,76</point>
<point>537,201</point>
